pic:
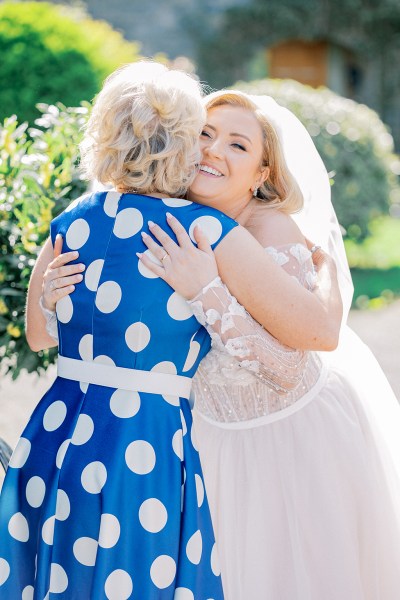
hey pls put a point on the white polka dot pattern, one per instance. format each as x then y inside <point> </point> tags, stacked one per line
<point>128,223</point>
<point>176,202</point>
<point>199,490</point>
<point>35,491</point>
<point>75,202</point>
<point>27,593</point>
<point>61,453</point>
<point>83,430</point>
<point>215,561</point>
<point>137,336</point>
<point>194,548</point>
<point>63,506</point>
<point>194,350</point>
<point>85,551</point>
<point>18,527</point>
<point>178,308</point>
<point>65,309</point>
<point>111,203</point>
<point>94,477</point>
<point>85,347</point>
<point>184,594</point>
<point>20,454</point>
<point>140,457</point>
<point>4,570</point>
<point>118,585</point>
<point>153,515</point>
<point>210,226</point>
<point>58,579</point>
<point>177,444</point>
<point>103,359</point>
<point>48,530</point>
<point>163,571</point>
<point>54,415</point>
<point>143,270</point>
<point>93,274</point>
<point>77,234</point>
<point>124,403</point>
<point>110,530</point>
<point>108,296</point>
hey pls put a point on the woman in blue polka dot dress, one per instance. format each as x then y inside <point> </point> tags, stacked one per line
<point>104,495</point>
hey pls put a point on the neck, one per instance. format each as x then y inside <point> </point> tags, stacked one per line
<point>124,190</point>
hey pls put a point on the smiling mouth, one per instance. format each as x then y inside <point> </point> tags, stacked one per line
<point>210,171</point>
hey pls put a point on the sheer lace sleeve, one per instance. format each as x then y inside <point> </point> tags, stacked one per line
<point>235,332</point>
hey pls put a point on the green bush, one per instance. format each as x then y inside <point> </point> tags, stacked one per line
<point>38,178</point>
<point>52,54</point>
<point>354,144</point>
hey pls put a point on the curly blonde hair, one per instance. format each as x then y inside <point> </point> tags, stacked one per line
<point>280,189</point>
<point>143,132</point>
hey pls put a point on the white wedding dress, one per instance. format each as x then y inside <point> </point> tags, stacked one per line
<point>302,483</point>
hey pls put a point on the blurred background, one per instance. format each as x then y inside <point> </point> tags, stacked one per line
<point>334,63</point>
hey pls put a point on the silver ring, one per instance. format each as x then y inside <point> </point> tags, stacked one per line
<point>315,249</point>
<point>164,257</point>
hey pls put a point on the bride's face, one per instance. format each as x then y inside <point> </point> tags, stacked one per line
<point>231,143</point>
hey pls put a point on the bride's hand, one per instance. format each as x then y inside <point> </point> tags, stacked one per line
<point>320,258</point>
<point>59,278</point>
<point>185,267</point>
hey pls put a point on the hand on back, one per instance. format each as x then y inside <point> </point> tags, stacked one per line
<point>185,267</point>
<point>60,278</point>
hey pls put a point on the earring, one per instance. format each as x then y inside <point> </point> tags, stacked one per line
<point>255,192</point>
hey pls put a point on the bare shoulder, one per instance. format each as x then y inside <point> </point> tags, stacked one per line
<point>272,227</point>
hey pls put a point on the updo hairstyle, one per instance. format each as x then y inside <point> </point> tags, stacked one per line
<point>143,132</point>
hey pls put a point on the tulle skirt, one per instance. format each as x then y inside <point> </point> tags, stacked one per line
<point>306,503</point>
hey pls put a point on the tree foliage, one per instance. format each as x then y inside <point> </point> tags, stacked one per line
<point>38,178</point>
<point>51,54</point>
<point>370,29</point>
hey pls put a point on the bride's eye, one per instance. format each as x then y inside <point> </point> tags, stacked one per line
<point>205,134</point>
<point>237,145</point>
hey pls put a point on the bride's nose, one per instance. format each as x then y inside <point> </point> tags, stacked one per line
<point>214,148</point>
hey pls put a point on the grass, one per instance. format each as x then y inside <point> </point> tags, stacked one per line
<point>375,264</point>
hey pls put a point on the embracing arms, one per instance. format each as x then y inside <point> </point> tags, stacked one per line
<point>298,318</point>
<point>295,316</point>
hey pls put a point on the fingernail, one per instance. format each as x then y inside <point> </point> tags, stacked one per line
<point>82,267</point>
<point>144,234</point>
<point>75,254</point>
<point>72,287</point>
<point>58,235</point>
<point>169,216</point>
<point>150,224</point>
<point>139,254</point>
<point>79,277</point>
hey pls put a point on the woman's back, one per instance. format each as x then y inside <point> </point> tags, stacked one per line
<point>121,310</point>
<point>112,500</point>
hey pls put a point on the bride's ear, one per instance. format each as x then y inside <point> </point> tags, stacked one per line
<point>264,174</point>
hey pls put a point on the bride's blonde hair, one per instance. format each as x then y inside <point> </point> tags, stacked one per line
<point>143,132</point>
<point>280,189</point>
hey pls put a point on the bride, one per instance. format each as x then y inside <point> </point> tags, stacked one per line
<point>301,458</point>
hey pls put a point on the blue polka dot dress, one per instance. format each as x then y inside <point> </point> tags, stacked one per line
<point>104,496</point>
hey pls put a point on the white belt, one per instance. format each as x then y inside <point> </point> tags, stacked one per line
<point>123,378</point>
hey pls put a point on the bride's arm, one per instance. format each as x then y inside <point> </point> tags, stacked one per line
<point>298,318</point>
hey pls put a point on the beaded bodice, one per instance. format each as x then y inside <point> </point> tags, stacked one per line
<point>248,373</point>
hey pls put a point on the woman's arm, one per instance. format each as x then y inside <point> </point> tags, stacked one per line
<point>51,279</point>
<point>295,316</point>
